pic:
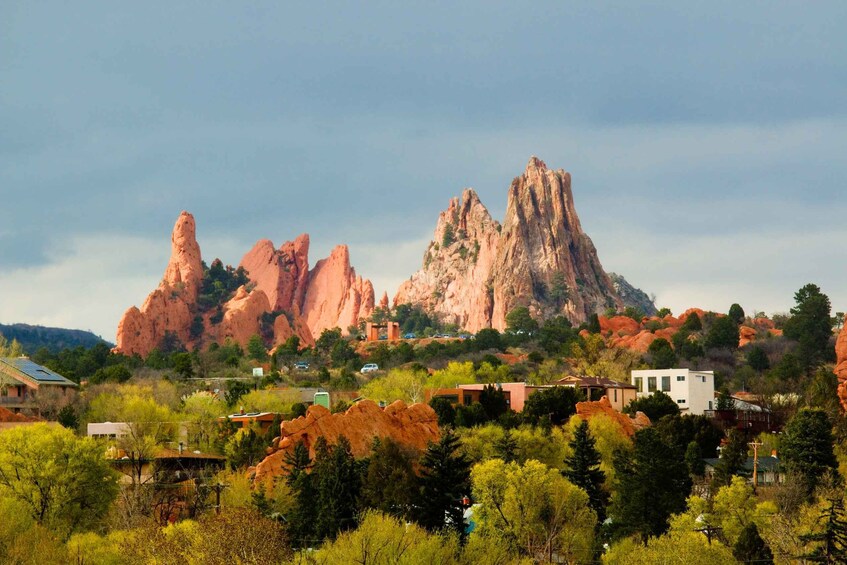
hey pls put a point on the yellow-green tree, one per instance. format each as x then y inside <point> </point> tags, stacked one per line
<point>385,540</point>
<point>674,548</point>
<point>398,384</point>
<point>63,482</point>
<point>535,509</point>
<point>202,409</point>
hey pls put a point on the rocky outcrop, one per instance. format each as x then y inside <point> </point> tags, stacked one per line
<point>336,296</point>
<point>628,425</point>
<point>632,296</point>
<point>168,309</point>
<point>476,271</point>
<point>455,281</point>
<point>414,426</point>
<point>303,302</point>
<point>841,364</point>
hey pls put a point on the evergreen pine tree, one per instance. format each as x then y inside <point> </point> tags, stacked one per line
<point>651,484</point>
<point>807,447</point>
<point>583,470</point>
<point>444,481</point>
<point>733,457</point>
<point>751,548</point>
<point>337,485</point>
<point>301,519</point>
<point>831,542</point>
<point>506,447</point>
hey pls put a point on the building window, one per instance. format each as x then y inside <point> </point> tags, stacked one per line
<point>680,401</point>
<point>680,378</point>
<point>651,384</point>
<point>616,395</point>
<point>639,384</point>
<point>666,384</point>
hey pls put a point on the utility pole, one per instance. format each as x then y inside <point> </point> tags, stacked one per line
<point>755,445</point>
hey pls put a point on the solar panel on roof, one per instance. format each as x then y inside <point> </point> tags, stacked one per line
<point>36,371</point>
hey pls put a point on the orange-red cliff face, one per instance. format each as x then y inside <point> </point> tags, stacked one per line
<point>311,301</point>
<point>841,364</point>
<point>475,271</point>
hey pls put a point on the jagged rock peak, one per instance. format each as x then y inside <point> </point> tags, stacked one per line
<point>185,267</point>
<point>476,271</point>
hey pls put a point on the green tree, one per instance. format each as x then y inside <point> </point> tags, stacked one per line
<point>444,410</point>
<point>245,448</point>
<point>830,543</point>
<point>692,322</point>
<point>662,354</point>
<point>723,334</point>
<point>810,325</point>
<point>556,404</point>
<point>444,480</point>
<point>758,359</point>
<point>520,321</point>
<point>694,459</point>
<point>651,484</point>
<point>64,482</point>
<point>487,338</point>
<point>751,548</point>
<point>390,479</point>
<point>303,514</point>
<point>506,447</point>
<point>732,460</point>
<point>807,447</point>
<point>493,401</point>
<point>593,324</point>
<point>582,468</point>
<point>256,348</point>
<point>556,335</point>
<point>736,314</point>
<point>535,509</point>
<point>654,406</point>
<point>337,486</point>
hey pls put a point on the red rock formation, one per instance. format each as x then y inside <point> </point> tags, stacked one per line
<point>475,272</point>
<point>455,280</point>
<point>281,274</point>
<point>169,307</point>
<point>281,281</point>
<point>243,315</point>
<point>414,426</point>
<point>336,297</point>
<point>841,365</point>
<point>383,302</point>
<point>619,325</point>
<point>542,239</point>
<point>588,409</point>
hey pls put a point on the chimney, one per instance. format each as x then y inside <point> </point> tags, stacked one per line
<point>241,411</point>
<point>773,453</point>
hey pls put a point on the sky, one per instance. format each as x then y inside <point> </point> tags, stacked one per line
<point>706,141</point>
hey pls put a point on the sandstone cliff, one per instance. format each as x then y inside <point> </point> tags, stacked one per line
<point>476,271</point>
<point>414,426</point>
<point>305,302</point>
<point>632,296</point>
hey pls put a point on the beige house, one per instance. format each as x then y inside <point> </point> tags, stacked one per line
<point>619,394</point>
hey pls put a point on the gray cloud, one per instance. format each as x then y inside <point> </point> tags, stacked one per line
<point>681,125</point>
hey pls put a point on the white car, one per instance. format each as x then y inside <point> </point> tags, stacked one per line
<point>369,368</point>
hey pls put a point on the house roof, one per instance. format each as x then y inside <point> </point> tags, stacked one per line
<point>594,382</point>
<point>29,372</point>
<point>766,463</point>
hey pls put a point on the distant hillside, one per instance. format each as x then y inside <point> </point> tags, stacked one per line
<point>55,339</point>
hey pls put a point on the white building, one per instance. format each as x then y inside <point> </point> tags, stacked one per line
<point>693,391</point>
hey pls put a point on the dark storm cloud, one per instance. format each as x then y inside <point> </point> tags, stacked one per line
<point>355,123</point>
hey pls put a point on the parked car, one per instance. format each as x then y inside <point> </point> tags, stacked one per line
<point>369,368</point>
<point>409,335</point>
<point>301,366</point>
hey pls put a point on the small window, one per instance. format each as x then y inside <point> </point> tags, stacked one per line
<point>680,378</point>
<point>666,384</point>
<point>639,384</point>
<point>651,384</point>
<point>616,395</point>
<point>680,401</point>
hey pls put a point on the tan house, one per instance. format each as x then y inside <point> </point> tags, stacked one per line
<point>619,394</point>
<point>21,380</point>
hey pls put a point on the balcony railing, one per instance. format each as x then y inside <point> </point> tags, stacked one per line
<point>15,400</point>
